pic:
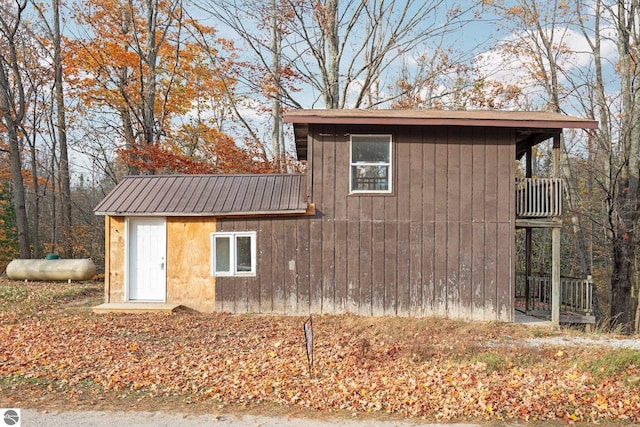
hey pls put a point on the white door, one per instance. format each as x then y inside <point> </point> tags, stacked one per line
<point>147,263</point>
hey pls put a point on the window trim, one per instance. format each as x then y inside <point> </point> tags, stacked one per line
<point>233,262</point>
<point>389,189</point>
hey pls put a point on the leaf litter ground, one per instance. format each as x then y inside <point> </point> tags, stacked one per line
<point>55,350</point>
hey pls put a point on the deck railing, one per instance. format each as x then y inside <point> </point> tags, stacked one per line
<point>576,295</point>
<point>538,197</point>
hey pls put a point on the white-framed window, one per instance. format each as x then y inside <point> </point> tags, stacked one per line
<point>370,158</point>
<point>233,254</point>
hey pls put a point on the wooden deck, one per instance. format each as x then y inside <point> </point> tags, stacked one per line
<point>135,307</point>
<point>576,298</point>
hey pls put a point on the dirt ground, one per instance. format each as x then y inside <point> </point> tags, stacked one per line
<point>64,366</point>
<point>34,418</point>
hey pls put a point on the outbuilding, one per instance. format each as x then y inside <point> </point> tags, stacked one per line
<point>400,212</point>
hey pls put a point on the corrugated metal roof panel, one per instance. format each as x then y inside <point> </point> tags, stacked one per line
<point>200,195</point>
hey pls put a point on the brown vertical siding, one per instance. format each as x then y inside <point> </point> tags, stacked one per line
<point>416,204</point>
<point>390,256</point>
<point>263,288</point>
<point>302,264</point>
<point>279,264</point>
<point>441,243</point>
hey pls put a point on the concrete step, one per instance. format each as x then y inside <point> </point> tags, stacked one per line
<point>135,307</point>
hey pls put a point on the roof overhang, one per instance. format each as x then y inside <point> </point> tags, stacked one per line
<point>309,210</point>
<point>532,126</point>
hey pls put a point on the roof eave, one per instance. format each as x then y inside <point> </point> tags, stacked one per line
<point>380,120</point>
<point>310,210</point>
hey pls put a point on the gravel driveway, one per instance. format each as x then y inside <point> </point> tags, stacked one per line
<point>33,418</point>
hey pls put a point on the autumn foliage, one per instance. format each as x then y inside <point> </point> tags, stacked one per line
<point>431,368</point>
<point>167,94</point>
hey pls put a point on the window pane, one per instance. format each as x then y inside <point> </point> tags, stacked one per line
<point>243,253</point>
<point>370,178</point>
<point>223,254</point>
<point>370,149</point>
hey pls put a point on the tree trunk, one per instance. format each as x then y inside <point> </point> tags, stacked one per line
<point>623,303</point>
<point>277,138</point>
<point>149,79</point>
<point>12,108</point>
<point>332,91</point>
<point>19,199</point>
<point>578,231</point>
<point>623,214</point>
<point>61,124</point>
<point>35,214</point>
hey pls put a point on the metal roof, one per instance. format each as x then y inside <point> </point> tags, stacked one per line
<point>496,118</point>
<point>206,195</point>
<point>534,126</point>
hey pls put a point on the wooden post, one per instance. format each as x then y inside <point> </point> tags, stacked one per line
<point>527,242</point>
<point>555,276</point>
<point>555,247</point>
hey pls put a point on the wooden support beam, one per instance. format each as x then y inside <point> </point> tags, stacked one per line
<point>528,231</point>
<point>555,247</point>
<point>538,222</point>
<point>527,267</point>
<point>555,277</point>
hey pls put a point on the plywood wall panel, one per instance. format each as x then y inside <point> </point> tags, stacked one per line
<point>115,272</point>
<point>107,257</point>
<point>189,279</point>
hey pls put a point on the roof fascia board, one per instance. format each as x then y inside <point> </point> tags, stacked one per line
<point>298,212</point>
<point>505,123</point>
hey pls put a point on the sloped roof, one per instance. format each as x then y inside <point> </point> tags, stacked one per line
<point>532,126</point>
<point>495,118</point>
<point>206,195</point>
